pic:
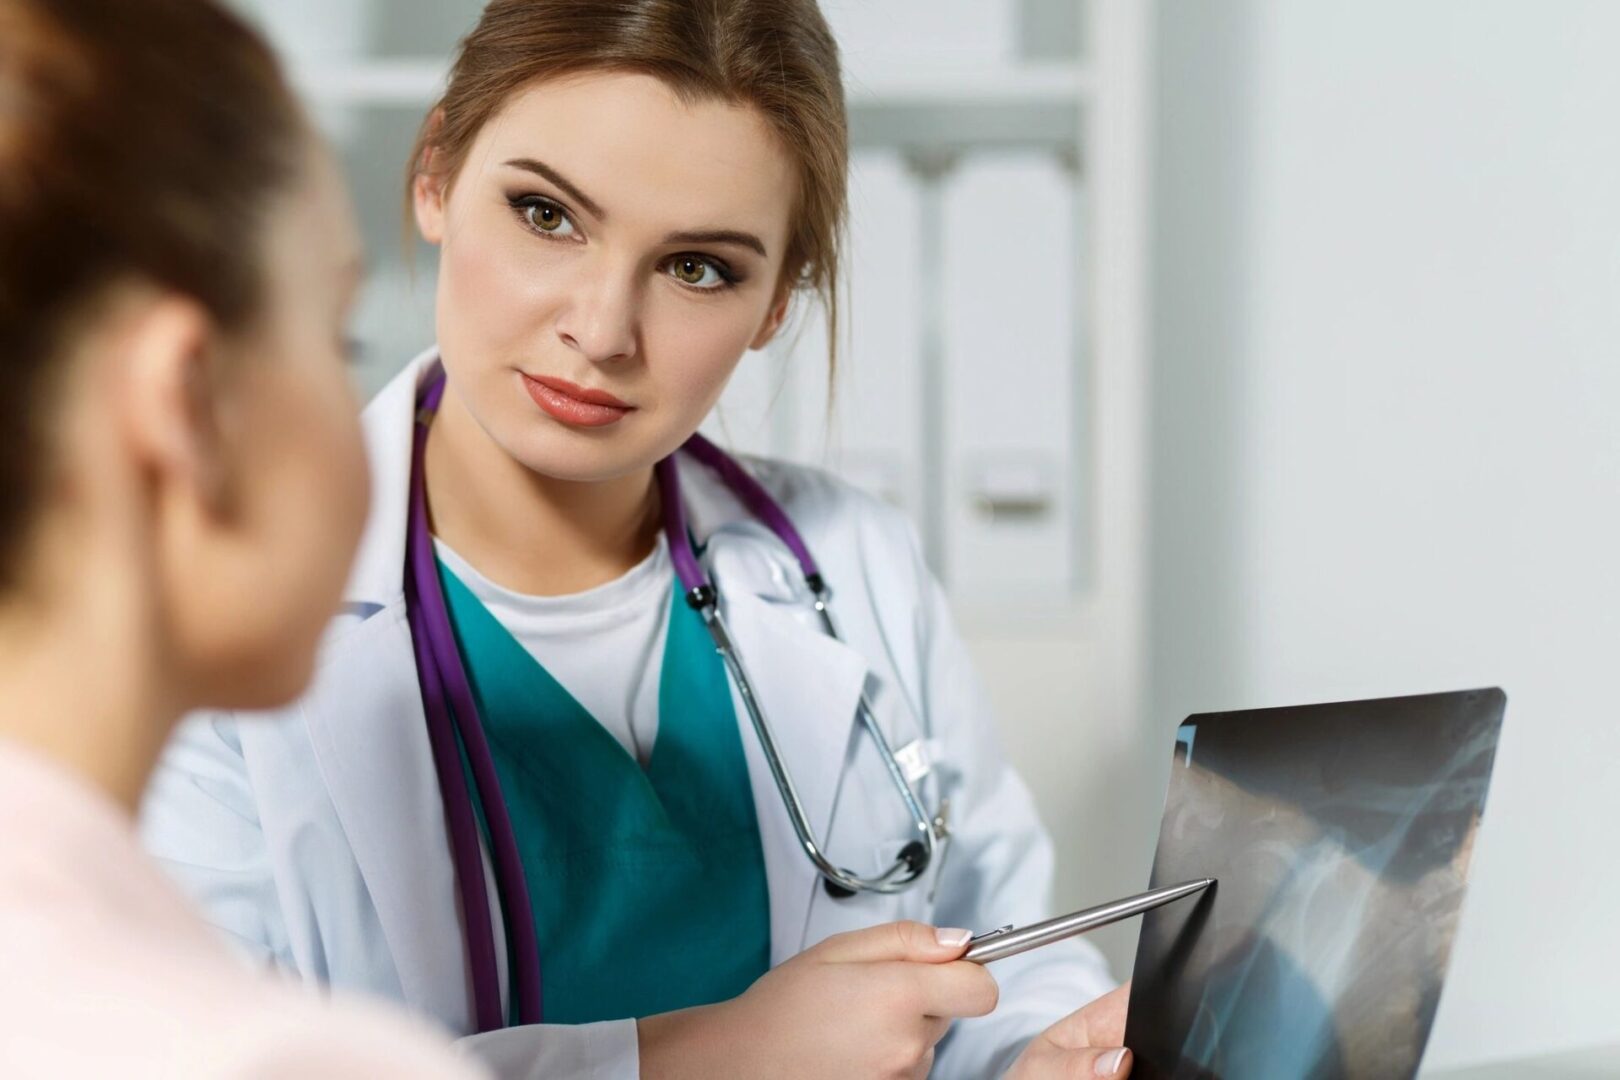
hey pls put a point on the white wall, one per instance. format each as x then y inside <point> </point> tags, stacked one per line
<point>1067,691</point>
<point>1386,454</point>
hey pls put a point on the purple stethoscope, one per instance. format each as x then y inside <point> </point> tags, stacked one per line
<point>452,718</point>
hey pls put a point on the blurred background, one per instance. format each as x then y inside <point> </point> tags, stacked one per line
<point>1246,353</point>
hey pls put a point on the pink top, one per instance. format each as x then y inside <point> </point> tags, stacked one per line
<point>106,971</point>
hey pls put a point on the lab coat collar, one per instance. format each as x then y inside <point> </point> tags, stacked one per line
<point>378,578</point>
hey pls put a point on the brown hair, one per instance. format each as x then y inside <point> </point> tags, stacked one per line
<point>140,141</point>
<point>777,56</point>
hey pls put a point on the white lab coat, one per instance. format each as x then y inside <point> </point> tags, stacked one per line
<point>316,836</point>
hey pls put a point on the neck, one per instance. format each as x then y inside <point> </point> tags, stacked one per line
<point>74,692</point>
<point>86,676</point>
<point>527,532</point>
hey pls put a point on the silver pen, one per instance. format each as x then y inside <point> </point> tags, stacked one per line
<point>1005,942</point>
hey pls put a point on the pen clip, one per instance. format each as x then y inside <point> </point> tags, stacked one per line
<point>942,842</point>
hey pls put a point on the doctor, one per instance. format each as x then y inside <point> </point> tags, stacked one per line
<point>527,794</point>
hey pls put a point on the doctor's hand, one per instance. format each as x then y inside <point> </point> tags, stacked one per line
<point>1086,1043</point>
<point>870,1003</point>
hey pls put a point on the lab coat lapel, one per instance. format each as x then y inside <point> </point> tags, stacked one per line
<point>369,732</point>
<point>807,683</point>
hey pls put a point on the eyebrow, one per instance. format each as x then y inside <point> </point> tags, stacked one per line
<point>699,236</point>
<point>540,168</point>
<point>718,236</point>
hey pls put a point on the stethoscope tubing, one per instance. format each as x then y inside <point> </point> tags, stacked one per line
<point>454,728</point>
<point>449,703</point>
<point>703,596</point>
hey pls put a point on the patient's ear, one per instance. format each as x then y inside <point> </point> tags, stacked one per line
<point>169,360</point>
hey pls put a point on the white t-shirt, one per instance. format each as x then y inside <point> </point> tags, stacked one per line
<point>605,645</point>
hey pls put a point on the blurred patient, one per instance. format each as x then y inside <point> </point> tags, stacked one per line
<point>181,490</point>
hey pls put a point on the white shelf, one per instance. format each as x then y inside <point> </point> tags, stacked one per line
<point>417,82</point>
<point>405,82</point>
<point>1051,84</point>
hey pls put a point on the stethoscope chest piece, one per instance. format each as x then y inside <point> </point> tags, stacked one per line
<point>915,857</point>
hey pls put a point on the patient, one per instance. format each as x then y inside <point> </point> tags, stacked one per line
<point>181,490</point>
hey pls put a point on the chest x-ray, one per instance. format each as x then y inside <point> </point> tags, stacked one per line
<point>1340,837</point>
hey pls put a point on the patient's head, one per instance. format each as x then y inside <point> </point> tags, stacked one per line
<point>181,464</point>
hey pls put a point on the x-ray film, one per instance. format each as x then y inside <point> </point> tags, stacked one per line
<point>1340,837</point>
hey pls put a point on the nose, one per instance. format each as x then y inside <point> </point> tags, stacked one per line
<point>599,319</point>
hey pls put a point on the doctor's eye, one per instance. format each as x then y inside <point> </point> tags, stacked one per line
<point>544,216</point>
<point>701,272</point>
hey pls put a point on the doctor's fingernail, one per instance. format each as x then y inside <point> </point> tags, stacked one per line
<point>1109,1063</point>
<point>951,937</point>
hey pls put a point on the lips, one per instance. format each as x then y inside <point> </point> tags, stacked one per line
<point>574,405</point>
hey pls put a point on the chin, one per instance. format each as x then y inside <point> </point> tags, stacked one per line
<point>262,682</point>
<point>593,459</point>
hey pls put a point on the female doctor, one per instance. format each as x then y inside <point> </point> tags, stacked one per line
<point>586,774</point>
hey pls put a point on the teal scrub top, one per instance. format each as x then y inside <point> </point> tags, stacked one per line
<point>647,885</point>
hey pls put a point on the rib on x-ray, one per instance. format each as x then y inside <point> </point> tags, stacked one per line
<point>1340,837</point>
